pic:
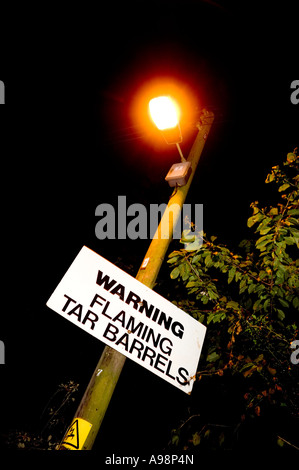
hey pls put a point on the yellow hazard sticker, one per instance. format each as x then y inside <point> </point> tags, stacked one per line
<point>76,434</point>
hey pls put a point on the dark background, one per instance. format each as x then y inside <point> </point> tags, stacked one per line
<point>68,143</point>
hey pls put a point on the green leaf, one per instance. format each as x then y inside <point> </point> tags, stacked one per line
<point>213,295</point>
<point>280,442</point>
<point>264,224</point>
<point>242,286</point>
<point>293,221</point>
<point>293,211</point>
<point>273,211</point>
<point>175,439</point>
<point>196,439</point>
<point>208,260</point>
<point>280,275</point>
<point>254,219</point>
<point>193,284</point>
<point>259,358</point>
<point>221,439</point>
<point>283,187</point>
<point>216,317</point>
<point>290,240</point>
<point>175,273</point>
<point>232,304</point>
<point>256,305</point>
<point>263,241</point>
<point>251,288</point>
<point>265,230</point>
<point>195,259</point>
<point>291,157</point>
<point>280,314</point>
<point>231,274</point>
<point>213,357</point>
<point>284,303</point>
<point>187,236</point>
<point>203,298</point>
<point>266,304</point>
<point>185,271</point>
<point>270,177</point>
<point>247,366</point>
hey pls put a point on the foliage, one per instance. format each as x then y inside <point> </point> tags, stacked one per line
<point>249,302</point>
<point>56,415</point>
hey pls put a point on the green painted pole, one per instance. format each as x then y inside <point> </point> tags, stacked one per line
<point>84,428</point>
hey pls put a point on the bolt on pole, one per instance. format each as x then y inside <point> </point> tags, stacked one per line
<point>99,391</point>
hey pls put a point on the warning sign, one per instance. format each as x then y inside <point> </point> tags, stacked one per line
<point>130,317</point>
<point>76,434</point>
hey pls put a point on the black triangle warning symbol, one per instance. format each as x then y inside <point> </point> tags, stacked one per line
<point>72,435</point>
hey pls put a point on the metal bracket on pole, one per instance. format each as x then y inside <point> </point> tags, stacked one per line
<point>183,159</point>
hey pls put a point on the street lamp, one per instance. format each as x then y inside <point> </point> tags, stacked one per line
<point>165,113</point>
<point>97,396</point>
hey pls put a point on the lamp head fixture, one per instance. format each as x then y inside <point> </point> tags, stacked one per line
<point>165,114</point>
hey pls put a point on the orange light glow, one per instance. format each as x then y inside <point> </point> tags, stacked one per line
<point>181,91</point>
<point>164,112</point>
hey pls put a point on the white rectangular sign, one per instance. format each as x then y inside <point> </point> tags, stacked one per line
<point>122,312</point>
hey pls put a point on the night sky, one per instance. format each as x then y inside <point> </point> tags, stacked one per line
<point>70,140</point>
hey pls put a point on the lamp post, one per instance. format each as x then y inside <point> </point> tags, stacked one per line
<point>100,389</point>
<point>165,113</point>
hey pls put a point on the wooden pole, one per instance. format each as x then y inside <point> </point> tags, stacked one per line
<point>84,428</point>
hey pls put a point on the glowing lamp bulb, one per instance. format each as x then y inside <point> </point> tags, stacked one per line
<point>164,112</point>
